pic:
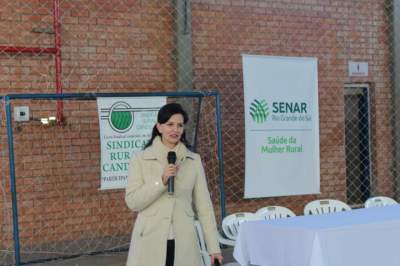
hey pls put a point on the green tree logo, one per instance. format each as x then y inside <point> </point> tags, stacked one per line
<point>121,117</point>
<point>259,111</point>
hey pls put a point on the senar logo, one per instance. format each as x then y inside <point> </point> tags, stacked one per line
<point>289,107</point>
<point>259,111</point>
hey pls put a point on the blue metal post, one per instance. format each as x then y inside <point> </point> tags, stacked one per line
<point>12,182</point>
<point>220,155</point>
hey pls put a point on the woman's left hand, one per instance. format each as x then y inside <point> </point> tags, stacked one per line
<point>217,256</point>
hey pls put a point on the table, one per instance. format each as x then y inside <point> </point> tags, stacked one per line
<point>361,237</point>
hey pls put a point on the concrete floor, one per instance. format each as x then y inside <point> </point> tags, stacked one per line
<point>110,259</point>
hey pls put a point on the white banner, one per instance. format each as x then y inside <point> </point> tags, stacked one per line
<point>125,127</point>
<point>282,126</point>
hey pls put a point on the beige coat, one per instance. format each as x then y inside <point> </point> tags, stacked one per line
<point>147,195</point>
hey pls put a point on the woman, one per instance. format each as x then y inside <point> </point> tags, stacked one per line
<point>164,232</point>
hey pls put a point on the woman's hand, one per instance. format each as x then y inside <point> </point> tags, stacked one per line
<point>217,256</point>
<point>169,170</point>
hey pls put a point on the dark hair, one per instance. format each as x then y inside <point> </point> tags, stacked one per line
<point>164,114</point>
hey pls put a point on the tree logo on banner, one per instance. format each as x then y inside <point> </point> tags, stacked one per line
<point>121,117</point>
<point>259,111</point>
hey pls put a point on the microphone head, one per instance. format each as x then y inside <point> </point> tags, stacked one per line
<point>171,157</point>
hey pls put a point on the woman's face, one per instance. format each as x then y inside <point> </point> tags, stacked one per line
<point>172,130</point>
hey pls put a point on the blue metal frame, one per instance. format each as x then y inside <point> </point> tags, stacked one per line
<point>12,182</point>
<point>93,96</point>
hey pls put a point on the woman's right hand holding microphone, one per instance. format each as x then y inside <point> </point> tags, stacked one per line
<point>169,170</point>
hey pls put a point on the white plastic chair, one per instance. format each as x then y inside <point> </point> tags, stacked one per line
<point>325,206</point>
<point>205,256</point>
<point>231,223</point>
<point>225,241</point>
<point>379,201</point>
<point>275,212</point>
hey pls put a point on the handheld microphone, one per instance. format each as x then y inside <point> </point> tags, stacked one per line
<point>171,180</point>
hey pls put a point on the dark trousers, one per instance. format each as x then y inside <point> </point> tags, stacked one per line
<point>170,253</point>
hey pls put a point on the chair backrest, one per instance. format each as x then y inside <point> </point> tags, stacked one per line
<point>205,257</point>
<point>231,223</point>
<point>275,212</point>
<point>379,201</point>
<point>325,206</point>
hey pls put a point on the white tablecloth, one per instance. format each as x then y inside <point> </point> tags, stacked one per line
<point>362,237</point>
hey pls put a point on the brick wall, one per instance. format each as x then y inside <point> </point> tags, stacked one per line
<point>129,45</point>
<point>334,32</point>
<point>107,46</point>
